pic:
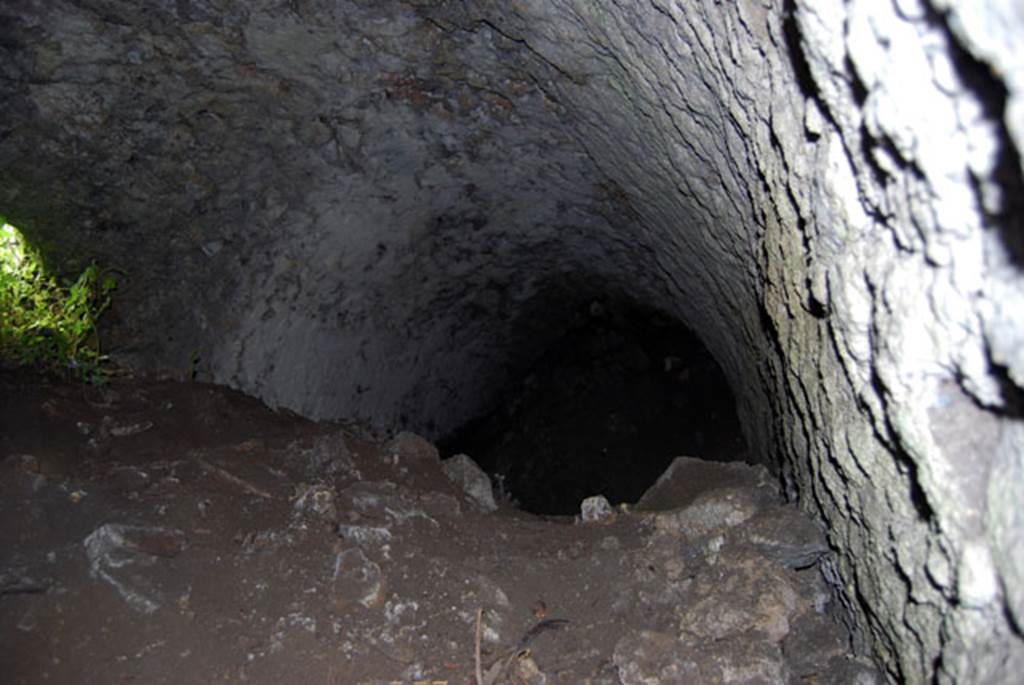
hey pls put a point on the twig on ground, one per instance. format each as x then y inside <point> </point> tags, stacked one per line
<point>235,480</point>
<point>479,673</point>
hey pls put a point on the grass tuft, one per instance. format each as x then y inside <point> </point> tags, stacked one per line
<point>46,325</point>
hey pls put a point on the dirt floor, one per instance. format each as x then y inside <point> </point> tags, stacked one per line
<point>164,532</point>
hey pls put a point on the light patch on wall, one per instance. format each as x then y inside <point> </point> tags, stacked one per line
<point>12,249</point>
<point>46,325</point>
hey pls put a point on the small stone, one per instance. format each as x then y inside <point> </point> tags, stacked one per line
<point>596,509</point>
<point>319,500</point>
<point>527,671</point>
<point>113,549</point>
<point>16,581</point>
<point>126,430</point>
<point>356,578</point>
<point>491,593</point>
<point>465,473</point>
<point>212,247</point>
<point>786,535</point>
<point>158,542</point>
<point>412,448</point>
<point>364,535</point>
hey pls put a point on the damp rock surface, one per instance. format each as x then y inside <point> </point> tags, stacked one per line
<point>265,548</point>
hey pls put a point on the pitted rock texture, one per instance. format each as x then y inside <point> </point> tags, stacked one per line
<point>384,210</point>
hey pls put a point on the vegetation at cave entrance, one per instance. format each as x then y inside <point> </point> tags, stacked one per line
<point>45,324</point>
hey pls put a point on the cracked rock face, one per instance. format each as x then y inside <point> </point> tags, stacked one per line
<point>384,210</point>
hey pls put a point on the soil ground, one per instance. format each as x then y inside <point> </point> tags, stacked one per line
<point>166,532</point>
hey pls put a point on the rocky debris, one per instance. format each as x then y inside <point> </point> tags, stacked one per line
<point>465,473</point>
<point>396,576</point>
<point>740,599</point>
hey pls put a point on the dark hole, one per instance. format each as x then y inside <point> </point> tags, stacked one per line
<point>604,411</point>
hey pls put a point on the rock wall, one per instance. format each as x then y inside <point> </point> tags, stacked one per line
<point>383,210</point>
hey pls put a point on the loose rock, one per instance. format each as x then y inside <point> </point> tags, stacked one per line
<point>786,535</point>
<point>465,473</point>
<point>596,509</point>
<point>412,448</point>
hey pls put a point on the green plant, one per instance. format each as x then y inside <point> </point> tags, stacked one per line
<point>44,324</point>
<point>194,360</point>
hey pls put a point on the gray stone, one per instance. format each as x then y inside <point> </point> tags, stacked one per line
<point>787,536</point>
<point>596,509</point>
<point>409,447</point>
<point>118,552</point>
<point>736,597</point>
<point>356,579</point>
<point>465,473</point>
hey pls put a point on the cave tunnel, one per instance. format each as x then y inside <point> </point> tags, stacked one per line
<point>415,214</point>
<point>604,410</point>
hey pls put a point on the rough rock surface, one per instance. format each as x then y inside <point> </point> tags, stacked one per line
<point>384,209</point>
<point>465,473</point>
<point>227,543</point>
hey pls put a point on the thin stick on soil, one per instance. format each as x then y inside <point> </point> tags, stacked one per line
<point>479,673</point>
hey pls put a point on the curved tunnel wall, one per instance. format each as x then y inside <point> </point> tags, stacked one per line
<point>384,210</point>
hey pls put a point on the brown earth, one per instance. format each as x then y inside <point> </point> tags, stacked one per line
<point>166,532</point>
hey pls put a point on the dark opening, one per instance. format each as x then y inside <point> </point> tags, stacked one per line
<point>604,411</point>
